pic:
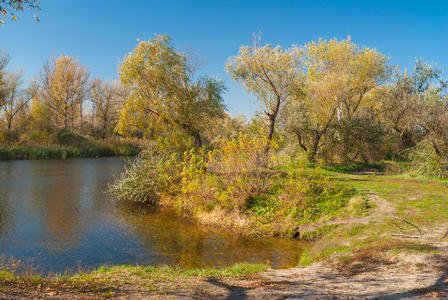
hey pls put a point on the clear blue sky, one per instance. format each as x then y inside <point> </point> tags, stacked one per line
<point>100,32</point>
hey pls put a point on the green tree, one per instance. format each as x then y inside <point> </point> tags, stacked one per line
<point>413,107</point>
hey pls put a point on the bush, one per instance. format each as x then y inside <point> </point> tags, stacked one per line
<point>244,168</point>
<point>69,138</point>
<point>425,161</point>
<point>155,172</point>
<point>237,183</point>
<point>9,136</point>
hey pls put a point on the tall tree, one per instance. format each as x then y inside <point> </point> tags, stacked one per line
<point>15,99</point>
<point>4,59</point>
<point>339,76</point>
<point>412,106</point>
<point>270,73</point>
<point>165,97</point>
<point>64,85</point>
<point>106,100</point>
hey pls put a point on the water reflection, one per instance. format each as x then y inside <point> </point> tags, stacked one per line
<point>57,215</point>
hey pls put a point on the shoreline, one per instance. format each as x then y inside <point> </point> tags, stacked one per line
<point>410,276</point>
<point>63,153</point>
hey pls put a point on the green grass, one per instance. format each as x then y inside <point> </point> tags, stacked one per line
<point>424,203</point>
<point>148,274</point>
<point>106,282</point>
<point>353,167</point>
<point>164,272</point>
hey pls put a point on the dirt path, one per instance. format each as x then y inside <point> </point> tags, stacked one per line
<point>383,209</point>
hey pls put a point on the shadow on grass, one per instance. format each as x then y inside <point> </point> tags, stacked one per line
<point>235,292</point>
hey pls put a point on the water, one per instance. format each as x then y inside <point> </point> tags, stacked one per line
<point>56,217</point>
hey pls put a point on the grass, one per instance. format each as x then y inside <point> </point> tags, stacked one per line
<point>106,281</point>
<point>417,203</point>
<point>354,167</point>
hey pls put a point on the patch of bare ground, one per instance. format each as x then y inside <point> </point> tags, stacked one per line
<point>367,276</point>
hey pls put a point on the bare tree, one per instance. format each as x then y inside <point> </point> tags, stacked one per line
<point>64,86</point>
<point>15,99</point>
<point>105,98</point>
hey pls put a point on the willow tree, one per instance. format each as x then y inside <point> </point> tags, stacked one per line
<point>270,73</point>
<point>64,86</point>
<point>339,76</point>
<point>165,98</point>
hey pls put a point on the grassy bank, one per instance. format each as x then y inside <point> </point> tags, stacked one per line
<point>118,281</point>
<point>407,215</point>
<point>274,201</point>
<point>63,152</point>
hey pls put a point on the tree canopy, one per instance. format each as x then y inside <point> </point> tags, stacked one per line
<point>166,99</point>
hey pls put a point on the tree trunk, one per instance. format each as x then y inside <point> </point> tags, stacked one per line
<point>314,147</point>
<point>197,139</point>
<point>271,127</point>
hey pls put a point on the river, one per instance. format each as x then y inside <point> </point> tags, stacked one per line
<point>56,217</point>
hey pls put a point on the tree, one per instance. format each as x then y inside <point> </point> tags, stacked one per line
<point>272,74</point>
<point>64,85</point>
<point>4,59</point>
<point>412,107</point>
<point>339,76</point>
<point>15,99</point>
<point>105,98</point>
<point>10,7</point>
<point>165,98</point>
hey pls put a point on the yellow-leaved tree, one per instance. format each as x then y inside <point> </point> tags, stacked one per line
<point>64,86</point>
<point>339,76</point>
<point>165,98</point>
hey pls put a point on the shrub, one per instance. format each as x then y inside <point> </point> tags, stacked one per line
<point>155,172</point>
<point>243,165</point>
<point>425,161</point>
<point>68,138</point>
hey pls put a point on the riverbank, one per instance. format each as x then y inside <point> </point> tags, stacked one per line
<point>410,276</point>
<point>396,248</point>
<point>67,152</point>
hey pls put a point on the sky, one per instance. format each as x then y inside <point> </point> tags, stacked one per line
<point>100,32</point>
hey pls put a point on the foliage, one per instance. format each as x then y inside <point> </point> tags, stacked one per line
<point>157,171</point>
<point>235,183</point>
<point>424,160</point>
<point>9,7</point>
<point>339,76</point>
<point>165,99</point>
<point>271,73</point>
<point>237,171</point>
<point>106,100</point>
<point>64,88</point>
